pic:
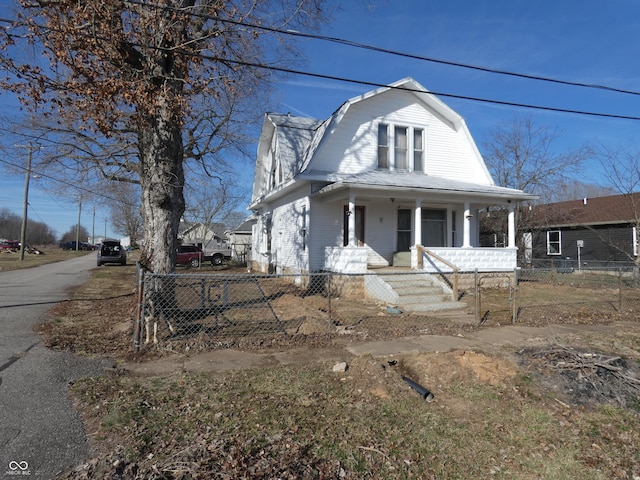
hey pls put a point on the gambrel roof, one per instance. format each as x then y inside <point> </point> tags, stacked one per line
<point>295,145</point>
<point>408,84</point>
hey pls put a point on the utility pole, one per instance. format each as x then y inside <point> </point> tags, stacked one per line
<point>23,230</point>
<point>78,225</point>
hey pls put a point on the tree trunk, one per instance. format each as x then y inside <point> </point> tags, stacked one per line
<point>162,182</point>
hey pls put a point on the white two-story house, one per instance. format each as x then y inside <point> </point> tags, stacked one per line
<point>393,177</point>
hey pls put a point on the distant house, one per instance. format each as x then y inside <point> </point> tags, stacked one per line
<point>600,231</point>
<point>207,237</point>
<point>240,240</point>
<point>392,178</point>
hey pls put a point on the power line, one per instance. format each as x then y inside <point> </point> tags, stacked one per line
<point>376,84</point>
<point>64,182</point>
<point>374,48</point>
<point>414,90</point>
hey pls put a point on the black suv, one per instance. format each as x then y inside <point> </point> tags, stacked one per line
<point>111,251</point>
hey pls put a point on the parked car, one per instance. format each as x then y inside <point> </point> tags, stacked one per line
<point>111,251</point>
<point>9,245</point>
<point>81,246</point>
<point>189,255</point>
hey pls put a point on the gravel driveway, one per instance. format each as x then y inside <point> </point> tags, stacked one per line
<point>40,432</point>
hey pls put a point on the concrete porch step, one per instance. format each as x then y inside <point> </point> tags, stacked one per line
<point>433,307</point>
<point>414,292</point>
<point>416,298</point>
<point>404,289</point>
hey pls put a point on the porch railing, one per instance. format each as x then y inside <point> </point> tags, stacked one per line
<point>454,277</point>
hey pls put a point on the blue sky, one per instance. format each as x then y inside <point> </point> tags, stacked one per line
<point>585,41</point>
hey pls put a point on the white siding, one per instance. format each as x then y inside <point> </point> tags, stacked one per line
<point>288,244</point>
<point>326,229</point>
<point>352,146</point>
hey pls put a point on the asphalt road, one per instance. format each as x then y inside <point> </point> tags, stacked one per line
<point>40,432</point>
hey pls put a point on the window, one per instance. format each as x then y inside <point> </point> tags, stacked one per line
<point>383,146</point>
<point>554,242</point>
<point>304,228</point>
<point>418,150</point>
<point>434,227</point>
<point>400,154</point>
<point>400,147</point>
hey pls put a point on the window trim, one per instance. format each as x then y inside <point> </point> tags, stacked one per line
<point>558,242</point>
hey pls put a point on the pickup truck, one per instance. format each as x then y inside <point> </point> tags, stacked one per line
<point>217,255</point>
<point>194,256</point>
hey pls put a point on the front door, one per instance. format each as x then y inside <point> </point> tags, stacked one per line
<point>404,230</point>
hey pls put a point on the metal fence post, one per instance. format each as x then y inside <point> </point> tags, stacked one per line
<point>619,290</point>
<point>137,321</point>
<point>514,297</point>
<point>477,288</point>
<point>329,287</point>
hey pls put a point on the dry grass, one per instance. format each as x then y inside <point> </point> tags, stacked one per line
<point>553,297</point>
<point>11,260</point>
<point>496,414</point>
<point>305,421</point>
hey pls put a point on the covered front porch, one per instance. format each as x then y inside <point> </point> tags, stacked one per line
<point>427,230</point>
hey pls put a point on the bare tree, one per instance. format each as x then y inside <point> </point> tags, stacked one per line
<point>621,167</point>
<point>75,231</point>
<point>211,199</point>
<point>575,190</point>
<point>523,155</point>
<point>38,233</point>
<point>132,90</point>
<point>124,207</point>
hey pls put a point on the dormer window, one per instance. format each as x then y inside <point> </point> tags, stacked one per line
<point>400,147</point>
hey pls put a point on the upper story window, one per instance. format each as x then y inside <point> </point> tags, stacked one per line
<point>554,242</point>
<point>400,147</point>
<point>418,149</point>
<point>400,151</point>
<point>383,145</point>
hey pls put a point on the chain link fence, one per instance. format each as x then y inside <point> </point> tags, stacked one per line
<point>205,311</point>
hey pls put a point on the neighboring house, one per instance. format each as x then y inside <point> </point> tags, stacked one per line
<point>598,231</point>
<point>390,173</point>
<point>203,235</point>
<point>240,240</point>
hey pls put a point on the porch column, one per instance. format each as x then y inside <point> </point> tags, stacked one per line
<point>417,236</point>
<point>466,226</point>
<point>512,226</point>
<point>352,220</point>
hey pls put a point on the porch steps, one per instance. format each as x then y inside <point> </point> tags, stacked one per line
<point>419,292</point>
